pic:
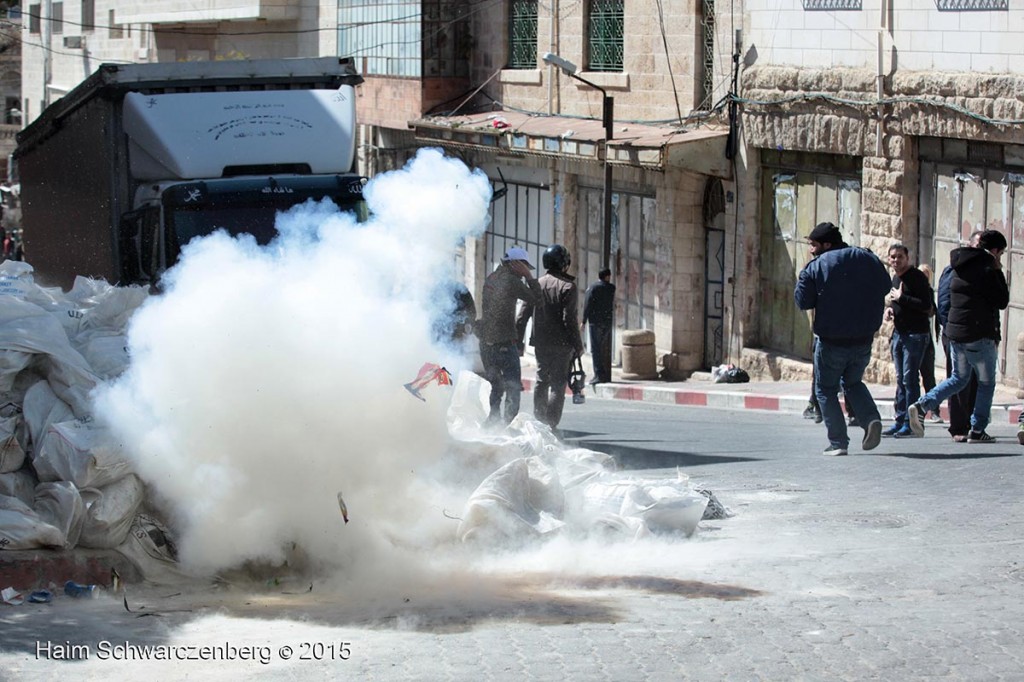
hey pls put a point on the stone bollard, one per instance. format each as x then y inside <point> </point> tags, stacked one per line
<point>639,360</point>
<point>1020,365</point>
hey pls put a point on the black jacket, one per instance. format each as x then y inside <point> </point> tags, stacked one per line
<point>977,292</point>
<point>912,310</point>
<point>599,305</point>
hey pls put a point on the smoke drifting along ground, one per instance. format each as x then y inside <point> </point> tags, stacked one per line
<point>266,380</point>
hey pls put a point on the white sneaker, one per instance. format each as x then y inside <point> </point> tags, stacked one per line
<point>837,451</point>
<point>915,420</point>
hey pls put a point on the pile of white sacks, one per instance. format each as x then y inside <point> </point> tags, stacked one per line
<point>543,486</point>
<point>62,482</point>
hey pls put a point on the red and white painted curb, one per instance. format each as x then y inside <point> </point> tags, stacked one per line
<point>736,400</point>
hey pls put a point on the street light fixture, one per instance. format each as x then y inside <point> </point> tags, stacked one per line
<point>608,107</point>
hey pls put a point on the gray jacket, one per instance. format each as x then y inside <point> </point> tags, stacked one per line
<point>502,290</point>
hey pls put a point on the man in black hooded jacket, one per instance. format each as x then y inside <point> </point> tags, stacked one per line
<point>978,292</point>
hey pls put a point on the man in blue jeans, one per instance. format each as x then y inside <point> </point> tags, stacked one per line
<point>910,310</point>
<point>846,288</point>
<point>977,294</point>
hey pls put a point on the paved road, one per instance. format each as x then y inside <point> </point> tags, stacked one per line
<point>901,564</point>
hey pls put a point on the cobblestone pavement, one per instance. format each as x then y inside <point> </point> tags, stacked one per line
<point>901,564</point>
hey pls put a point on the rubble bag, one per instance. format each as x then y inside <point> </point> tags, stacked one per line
<point>22,528</point>
<point>81,452</point>
<point>12,456</point>
<point>20,484</point>
<point>59,504</point>
<point>110,511</point>
<point>41,409</point>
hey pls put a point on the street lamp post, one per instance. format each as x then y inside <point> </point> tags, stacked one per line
<point>608,107</point>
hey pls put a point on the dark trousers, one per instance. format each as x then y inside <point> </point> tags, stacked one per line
<point>552,377</point>
<point>601,351</point>
<point>928,365</point>
<point>961,404</point>
<point>502,369</point>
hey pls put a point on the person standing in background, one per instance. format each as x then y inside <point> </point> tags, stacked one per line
<point>910,303</point>
<point>599,311</point>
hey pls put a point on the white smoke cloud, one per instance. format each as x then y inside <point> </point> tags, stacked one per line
<point>266,380</point>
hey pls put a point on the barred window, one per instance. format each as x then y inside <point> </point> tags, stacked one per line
<point>88,15</point>
<point>33,18</point>
<point>522,34</point>
<point>57,17</point>
<point>604,35</point>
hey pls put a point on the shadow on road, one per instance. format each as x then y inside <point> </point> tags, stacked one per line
<point>973,454</point>
<point>633,457</point>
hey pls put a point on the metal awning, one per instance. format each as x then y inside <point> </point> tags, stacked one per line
<point>701,150</point>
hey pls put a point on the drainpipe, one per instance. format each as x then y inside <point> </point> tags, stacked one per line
<point>880,80</point>
<point>47,26</point>
<point>551,69</point>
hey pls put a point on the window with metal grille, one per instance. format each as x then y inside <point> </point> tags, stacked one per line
<point>447,42</point>
<point>706,43</point>
<point>88,15</point>
<point>522,34</point>
<point>605,24</point>
<point>114,29</point>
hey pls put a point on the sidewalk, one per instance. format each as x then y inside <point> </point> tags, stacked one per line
<point>777,396</point>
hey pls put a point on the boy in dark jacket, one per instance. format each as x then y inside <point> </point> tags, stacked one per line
<point>977,294</point>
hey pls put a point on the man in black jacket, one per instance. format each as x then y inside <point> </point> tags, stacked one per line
<point>599,311</point>
<point>910,308</point>
<point>978,293</point>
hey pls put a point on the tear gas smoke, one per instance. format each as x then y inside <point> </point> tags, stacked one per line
<point>266,380</point>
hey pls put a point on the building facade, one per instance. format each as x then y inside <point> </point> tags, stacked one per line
<point>481,90</point>
<point>899,123</point>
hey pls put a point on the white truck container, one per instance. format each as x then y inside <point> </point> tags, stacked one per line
<point>137,160</point>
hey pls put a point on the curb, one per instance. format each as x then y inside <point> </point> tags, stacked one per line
<point>32,569</point>
<point>735,400</point>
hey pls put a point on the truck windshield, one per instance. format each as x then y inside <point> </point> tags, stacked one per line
<point>248,206</point>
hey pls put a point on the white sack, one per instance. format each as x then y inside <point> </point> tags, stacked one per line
<point>59,504</point>
<point>28,328</point>
<point>106,353</point>
<point>20,485</point>
<point>81,452</point>
<point>41,409</point>
<point>506,506</point>
<point>12,456</point>
<point>663,506</point>
<point>22,528</point>
<point>110,511</point>
<point>150,547</point>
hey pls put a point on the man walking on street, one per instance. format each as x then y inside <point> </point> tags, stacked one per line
<point>910,308</point>
<point>499,339</point>
<point>599,311</point>
<point>556,334</point>
<point>961,404</point>
<point>846,288</point>
<point>978,293</point>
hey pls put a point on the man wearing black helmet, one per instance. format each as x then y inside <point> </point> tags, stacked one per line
<point>556,334</point>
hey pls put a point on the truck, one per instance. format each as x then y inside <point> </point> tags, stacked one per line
<point>118,175</point>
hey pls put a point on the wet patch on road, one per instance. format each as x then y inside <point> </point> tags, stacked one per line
<point>693,589</point>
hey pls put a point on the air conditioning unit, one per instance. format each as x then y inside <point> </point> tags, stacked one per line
<point>74,42</point>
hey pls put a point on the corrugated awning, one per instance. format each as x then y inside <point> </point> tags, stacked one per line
<point>701,150</point>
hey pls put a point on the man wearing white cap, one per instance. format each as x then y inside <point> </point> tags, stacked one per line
<point>510,282</point>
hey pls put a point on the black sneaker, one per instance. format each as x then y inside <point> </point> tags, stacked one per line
<point>834,451</point>
<point>809,411</point>
<point>915,419</point>
<point>979,437</point>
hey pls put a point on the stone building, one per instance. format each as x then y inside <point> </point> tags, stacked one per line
<point>901,123</point>
<point>476,85</point>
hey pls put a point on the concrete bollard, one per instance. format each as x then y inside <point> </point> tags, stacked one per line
<point>639,360</point>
